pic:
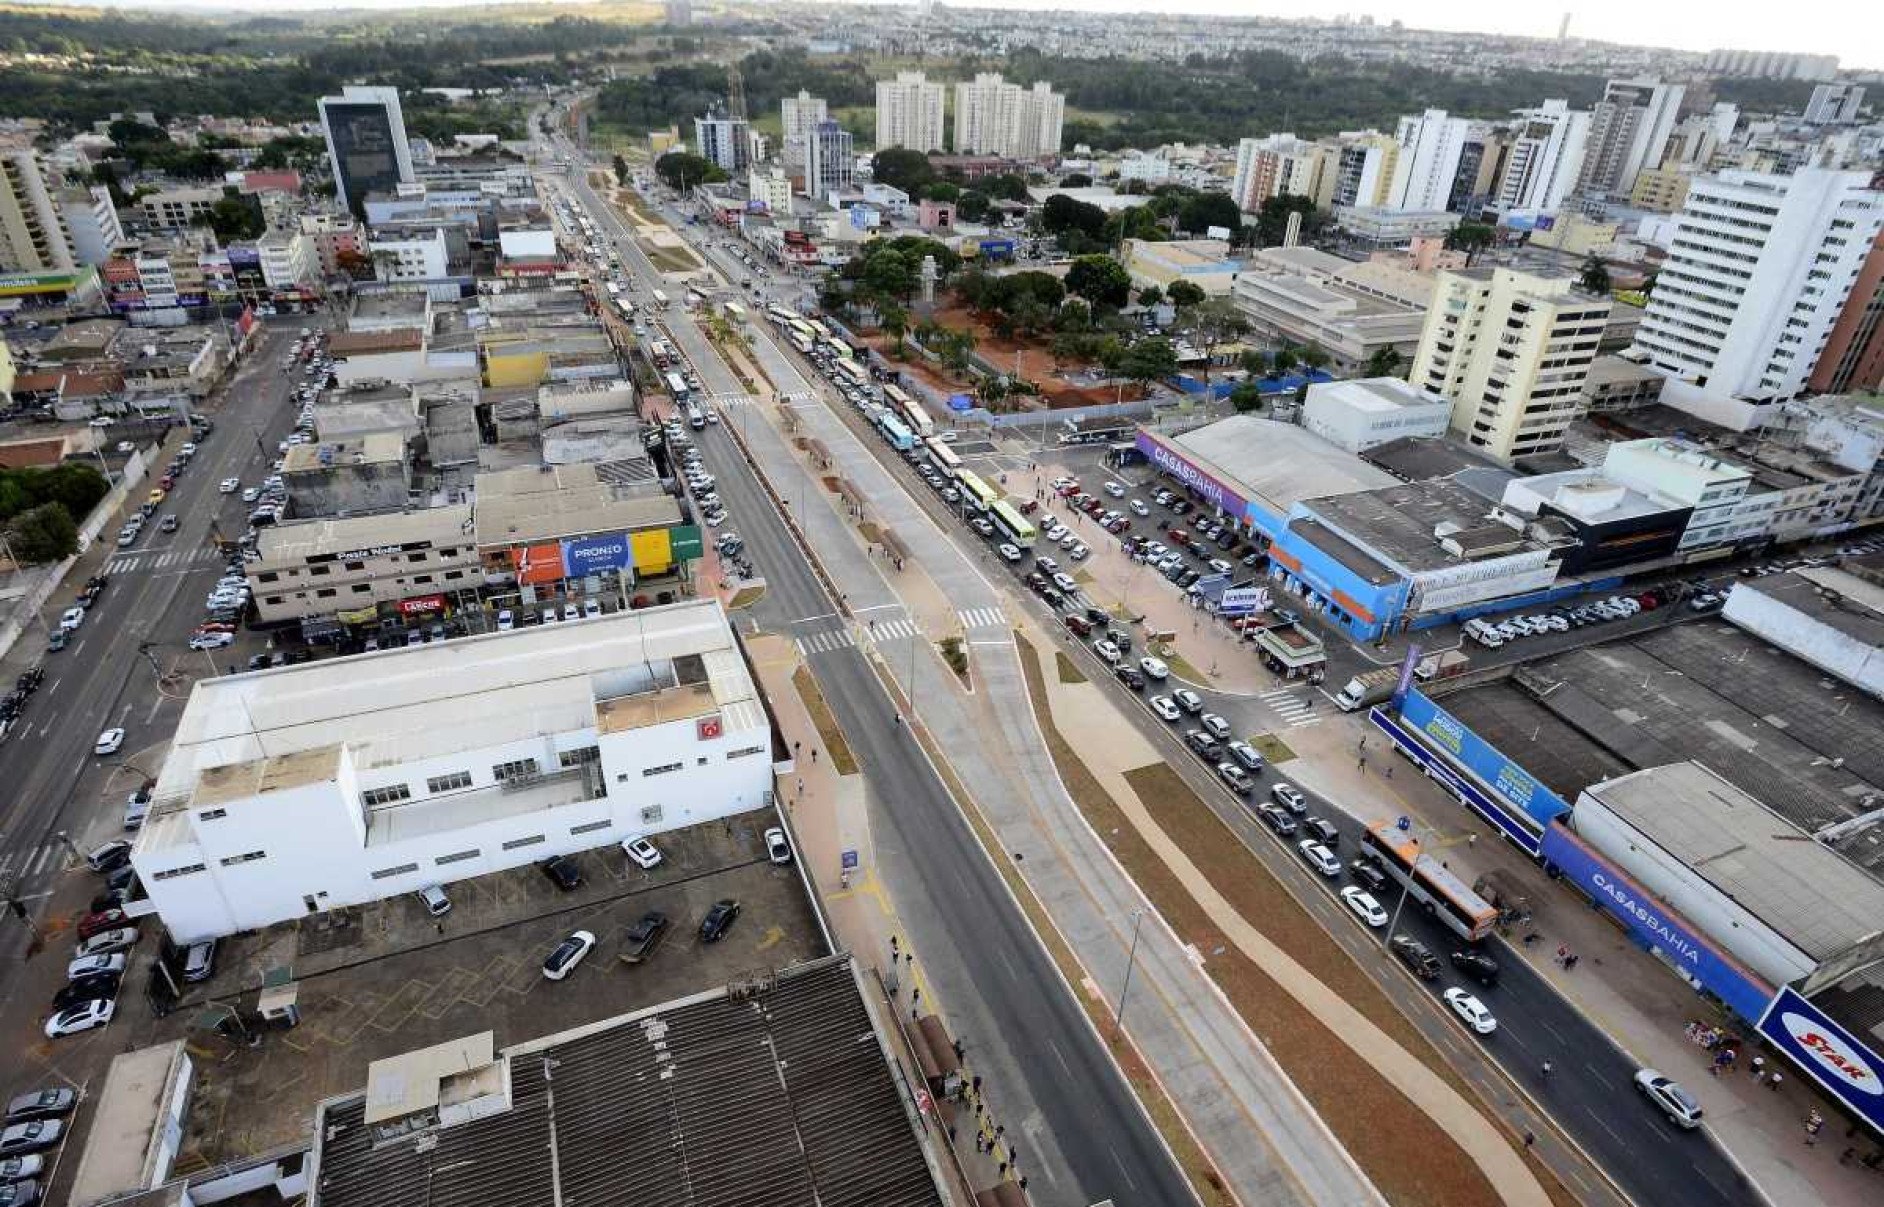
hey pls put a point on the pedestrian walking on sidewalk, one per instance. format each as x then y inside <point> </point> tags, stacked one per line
<point>1530,1138</point>
<point>1547,1069</point>
<point>1772,1083</point>
<point>1471,840</point>
<point>1758,1066</point>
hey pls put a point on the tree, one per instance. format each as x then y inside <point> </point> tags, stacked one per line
<point>1314,356</point>
<point>889,275</point>
<point>682,171</point>
<point>1184,294</point>
<point>1030,315</point>
<point>1385,362</point>
<point>44,534</point>
<point>1254,362</point>
<point>621,170</point>
<point>235,217</point>
<point>1202,211</point>
<point>972,206</point>
<point>1062,214</point>
<point>1471,238</point>
<point>902,168</point>
<point>1073,317</point>
<point>1245,397</point>
<point>893,321</point>
<point>1151,296</point>
<point>1272,219</point>
<point>1006,187</point>
<point>1101,280</point>
<point>955,348</point>
<point>1283,360</point>
<point>1076,180</point>
<point>1149,360</point>
<point>1595,276</point>
<point>1216,321</point>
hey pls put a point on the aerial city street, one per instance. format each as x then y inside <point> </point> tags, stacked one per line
<point>727,603</point>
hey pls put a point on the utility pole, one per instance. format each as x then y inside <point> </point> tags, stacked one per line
<point>1131,961</point>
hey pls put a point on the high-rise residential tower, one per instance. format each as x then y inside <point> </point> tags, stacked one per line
<point>1545,158</point>
<point>1428,162</point>
<point>830,160</point>
<point>366,142</point>
<point>994,117</point>
<point>909,112</point>
<point>33,236</point>
<point>798,117</point>
<point>1629,131</point>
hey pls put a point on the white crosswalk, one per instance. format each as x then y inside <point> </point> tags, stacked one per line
<point>823,642</point>
<point>899,629</point>
<point>982,618</point>
<point>160,559</point>
<point>26,864</point>
<point>1294,705</point>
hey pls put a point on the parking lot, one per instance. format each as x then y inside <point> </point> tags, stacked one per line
<point>389,977</point>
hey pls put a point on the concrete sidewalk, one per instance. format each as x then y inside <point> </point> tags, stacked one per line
<point>1631,996</point>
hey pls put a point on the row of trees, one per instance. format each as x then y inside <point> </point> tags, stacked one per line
<point>1171,211</point>
<point>41,509</point>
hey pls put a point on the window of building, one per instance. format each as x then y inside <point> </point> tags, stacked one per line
<point>589,827</point>
<point>320,569</point>
<point>421,578</point>
<point>449,783</point>
<point>402,870</point>
<point>250,857</point>
<point>415,557</point>
<point>389,795</point>
<point>531,841</point>
<point>356,565</point>
<point>212,815</point>
<point>651,815</point>
<point>326,593</point>
<point>268,576</point>
<point>663,769</point>
<point>188,869</point>
<point>457,857</point>
<point>362,588</point>
<point>579,756</point>
<point>513,769</point>
<point>745,752</point>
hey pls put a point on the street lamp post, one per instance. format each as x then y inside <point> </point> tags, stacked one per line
<point>1406,886</point>
<point>1131,961</point>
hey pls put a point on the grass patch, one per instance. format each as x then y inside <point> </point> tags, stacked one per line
<point>1069,673</point>
<point>669,259</point>
<point>1272,748</point>
<point>870,532</point>
<point>1401,1149</point>
<point>745,597</point>
<point>1182,668</point>
<point>834,744</point>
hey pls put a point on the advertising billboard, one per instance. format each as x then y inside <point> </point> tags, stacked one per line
<point>1827,1053</point>
<point>1241,601</point>
<point>684,542</point>
<point>537,564</point>
<point>1510,782</point>
<point>420,605</point>
<point>1174,463</point>
<point>597,554</point>
<point>1654,926</point>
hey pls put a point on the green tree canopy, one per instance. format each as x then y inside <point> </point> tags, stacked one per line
<point>902,168</point>
<point>1150,296</point>
<point>1101,280</point>
<point>1245,397</point>
<point>682,170</point>
<point>972,206</point>
<point>1061,214</point>
<point>44,534</point>
<point>1272,218</point>
<point>1205,210</point>
<point>1149,360</point>
<point>1471,238</point>
<point>1185,294</point>
<point>1385,362</point>
<point>1595,276</point>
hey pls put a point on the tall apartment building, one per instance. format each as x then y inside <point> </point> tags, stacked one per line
<point>994,117</point>
<point>798,117</point>
<point>367,144</point>
<point>1854,355</point>
<point>1770,65</point>
<point>830,160</point>
<point>1510,350</point>
<point>1834,104</point>
<point>909,112</point>
<point>1629,131</point>
<point>1279,164</point>
<point>1427,166</point>
<point>1545,158</point>
<point>92,222</point>
<point>33,237</point>
<point>1481,163</point>
<point>723,141</point>
<point>1759,270</point>
<point>1364,165</point>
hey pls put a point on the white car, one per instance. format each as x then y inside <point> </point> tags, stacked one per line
<point>1319,857</point>
<point>109,742</point>
<point>569,953</point>
<point>1471,1010</point>
<point>777,849</point>
<point>1138,508</point>
<point>1154,668</point>
<point>642,852</point>
<point>1215,725</point>
<point>1115,490</point>
<point>1289,798</point>
<point>1078,552</point>
<point>1010,552</point>
<point>1065,583</point>
<point>229,486</point>
<point>81,1017</point>
<point>1364,906</point>
<point>1107,651</point>
<point>1166,710</point>
<point>506,621</point>
<point>94,965</point>
<point>1668,1094</point>
<point>71,619</point>
<point>211,641</point>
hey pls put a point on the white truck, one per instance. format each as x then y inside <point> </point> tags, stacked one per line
<point>1377,685</point>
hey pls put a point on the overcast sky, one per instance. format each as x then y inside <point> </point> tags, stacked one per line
<point>1851,29</point>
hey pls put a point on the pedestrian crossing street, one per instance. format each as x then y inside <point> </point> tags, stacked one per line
<point>896,628</point>
<point>1294,705</point>
<point>161,559</point>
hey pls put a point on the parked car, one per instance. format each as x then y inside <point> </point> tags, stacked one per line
<point>1319,857</point>
<point>50,1103</point>
<point>84,989</point>
<point>199,962</point>
<point>98,965</point>
<point>719,919</point>
<point>1165,709</point>
<point>777,848</point>
<point>101,921</point>
<point>643,937</point>
<point>1290,798</point>
<point>1237,778</point>
<point>110,856</point>
<point>107,942</point>
<point>567,954</point>
<point>563,872</point>
<point>1277,820</point>
<point>433,898</point>
<point>1246,756</point>
<point>80,1017</point>
<point>1188,700</point>
<point>19,1169</point>
<point>21,1138</point>
<point>1415,955</point>
<point>642,853</point>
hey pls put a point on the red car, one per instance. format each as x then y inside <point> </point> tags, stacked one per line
<point>103,920</point>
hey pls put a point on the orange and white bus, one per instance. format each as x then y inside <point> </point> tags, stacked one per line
<point>1443,894</point>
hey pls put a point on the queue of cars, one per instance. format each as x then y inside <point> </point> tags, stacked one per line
<point>36,1122</point>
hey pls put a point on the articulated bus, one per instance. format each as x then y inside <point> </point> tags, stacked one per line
<point>1443,894</point>
<point>853,372</point>
<point>943,456</point>
<point>983,495</point>
<point>1011,524</point>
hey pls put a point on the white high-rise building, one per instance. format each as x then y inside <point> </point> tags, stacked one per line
<point>909,112</point>
<point>1834,104</point>
<point>723,141</point>
<point>1757,274</point>
<point>92,222</point>
<point>33,237</point>
<point>994,117</point>
<point>367,144</point>
<point>830,161</point>
<point>1423,174</point>
<point>1629,131</point>
<point>1510,350</point>
<point>1545,159</point>
<point>798,117</point>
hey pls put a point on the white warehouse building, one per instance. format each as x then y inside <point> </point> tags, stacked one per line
<point>341,782</point>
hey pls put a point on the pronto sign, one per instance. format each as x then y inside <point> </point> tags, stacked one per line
<point>1827,1053</point>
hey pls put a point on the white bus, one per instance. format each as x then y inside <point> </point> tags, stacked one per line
<point>614,290</point>
<point>736,312</point>
<point>660,299</point>
<point>677,386</point>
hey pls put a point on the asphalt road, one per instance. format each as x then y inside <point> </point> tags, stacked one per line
<point>1066,1075</point>
<point>100,680</point>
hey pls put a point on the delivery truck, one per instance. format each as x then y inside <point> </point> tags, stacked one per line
<point>1378,685</point>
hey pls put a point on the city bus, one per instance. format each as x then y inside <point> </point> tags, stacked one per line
<point>736,312</point>
<point>801,341</point>
<point>614,290</point>
<point>837,348</point>
<point>851,371</point>
<point>983,495</point>
<point>801,327</point>
<point>894,431</point>
<point>1011,524</point>
<point>918,418</point>
<point>626,307</point>
<point>677,386</point>
<point>818,330</point>
<point>1443,894</point>
<point>944,458</point>
<point>660,299</point>
<point>778,314</point>
<point>695,297</point>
